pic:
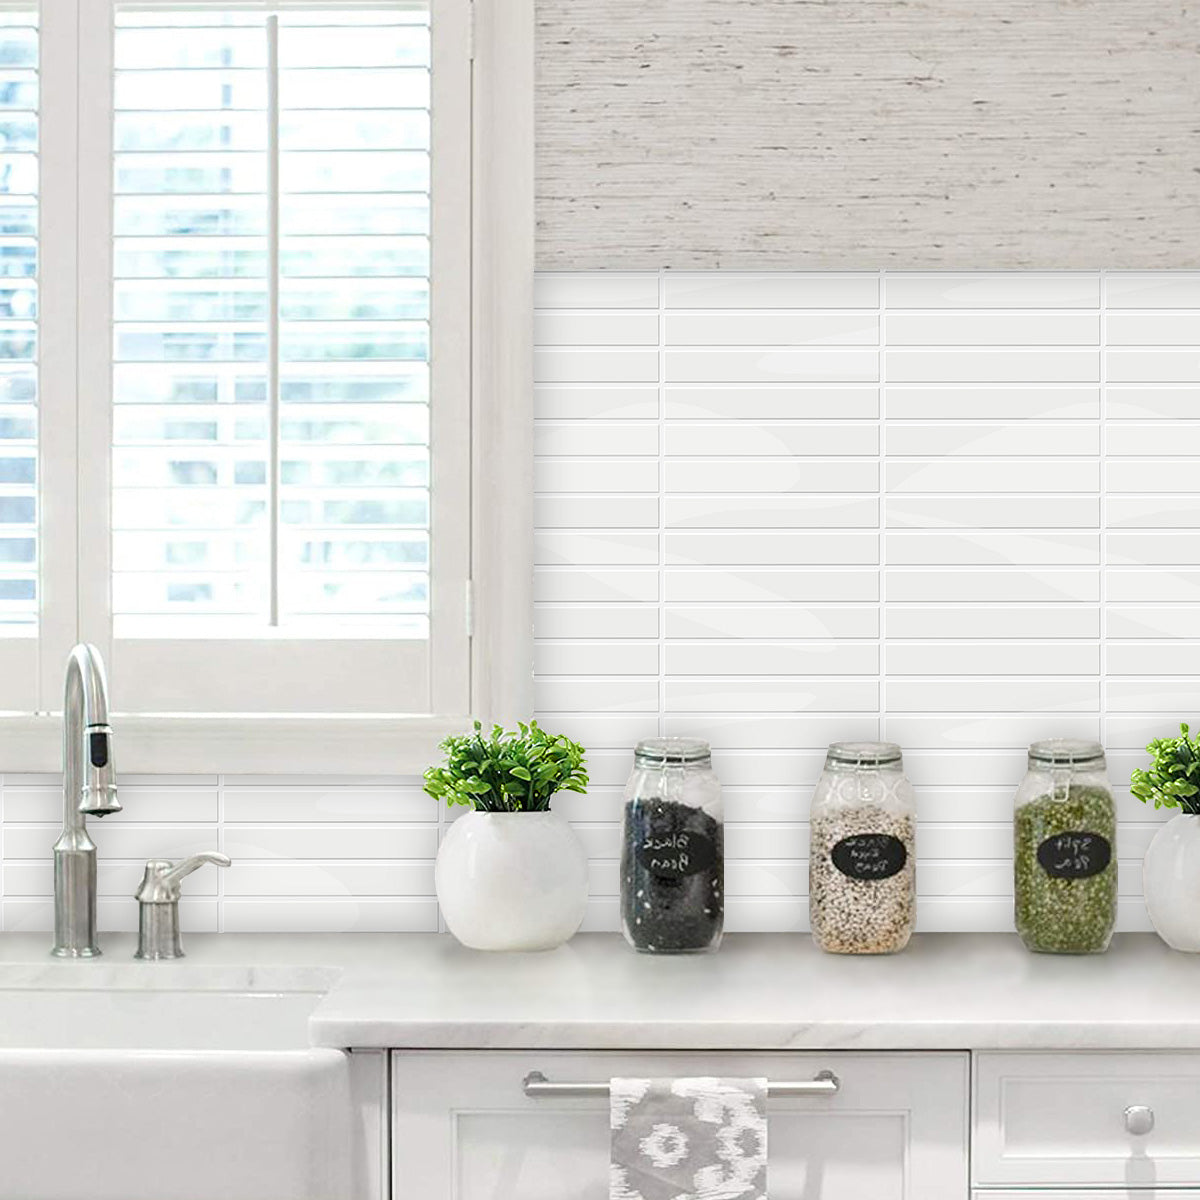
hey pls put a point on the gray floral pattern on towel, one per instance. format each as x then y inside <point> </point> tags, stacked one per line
<point>688,1139</point>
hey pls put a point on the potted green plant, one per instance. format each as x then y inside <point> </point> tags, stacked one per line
<point>510,874</point>
<point>1171,868</point>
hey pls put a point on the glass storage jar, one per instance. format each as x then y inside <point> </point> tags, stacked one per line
<point>862,868</point>
<point>1064,842</point>
<point>673,849</point>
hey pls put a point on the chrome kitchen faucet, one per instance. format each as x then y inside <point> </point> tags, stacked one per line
<point>89,788</point>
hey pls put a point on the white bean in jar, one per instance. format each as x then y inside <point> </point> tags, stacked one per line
<point>862,851</point>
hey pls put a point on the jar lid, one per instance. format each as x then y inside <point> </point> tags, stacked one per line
<point>1065,752</point>
<point>672,750</point>
<point>865,754</point>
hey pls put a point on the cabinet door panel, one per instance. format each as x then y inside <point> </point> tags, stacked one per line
<point>1045,1119</point>
<point>463,1129</point>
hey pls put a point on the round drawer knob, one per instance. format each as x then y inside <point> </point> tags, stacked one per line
<point>1139,1119</point>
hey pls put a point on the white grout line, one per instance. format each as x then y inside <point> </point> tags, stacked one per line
<point>882,495</point>
<point>1102,498</point>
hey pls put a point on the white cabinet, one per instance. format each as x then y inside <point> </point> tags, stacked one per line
<point>1060,1119</point>
<point>463,1129</point>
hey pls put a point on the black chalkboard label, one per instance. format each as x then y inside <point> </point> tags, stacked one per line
<point>674,855</point>
<point>869,856</point>
<point>1074,855</point>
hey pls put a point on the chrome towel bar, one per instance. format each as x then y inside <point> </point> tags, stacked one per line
<point>536,1086</point>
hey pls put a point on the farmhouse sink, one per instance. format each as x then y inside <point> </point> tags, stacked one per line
<point>133,1083</point>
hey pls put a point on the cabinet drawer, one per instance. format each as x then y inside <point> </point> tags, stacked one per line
<point>1060,1119</point>
<point>462,1126</point>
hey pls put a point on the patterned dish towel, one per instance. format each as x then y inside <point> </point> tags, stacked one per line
<point>688,1139</point>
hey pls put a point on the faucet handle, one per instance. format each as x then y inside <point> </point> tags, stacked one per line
<point>162,880</point>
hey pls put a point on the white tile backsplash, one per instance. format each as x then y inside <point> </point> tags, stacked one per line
<point>961,511</point>
<point>923,506</point>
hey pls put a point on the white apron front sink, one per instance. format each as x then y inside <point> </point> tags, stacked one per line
<point>170,1093</point>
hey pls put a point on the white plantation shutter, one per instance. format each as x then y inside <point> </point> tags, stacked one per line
<point>19,592</point>
<point>288,197</point>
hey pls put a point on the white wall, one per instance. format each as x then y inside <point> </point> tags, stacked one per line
<point>957,511</point>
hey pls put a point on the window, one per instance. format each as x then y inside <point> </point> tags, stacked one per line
<point>236,400</point>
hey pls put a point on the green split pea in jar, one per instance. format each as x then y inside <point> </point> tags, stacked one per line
<point>1064,850</point>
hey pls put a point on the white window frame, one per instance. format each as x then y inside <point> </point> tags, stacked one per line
<point>485,63</point>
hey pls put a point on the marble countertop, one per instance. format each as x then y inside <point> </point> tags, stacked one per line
<point>761,991</point>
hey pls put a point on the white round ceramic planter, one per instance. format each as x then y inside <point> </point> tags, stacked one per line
<point>1171,882</point>
<point>512,881</point>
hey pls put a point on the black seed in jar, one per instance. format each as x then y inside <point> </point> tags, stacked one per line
<point>672,877</point>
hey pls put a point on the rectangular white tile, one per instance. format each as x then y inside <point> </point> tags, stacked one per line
<point>1152,512</point>
<point>1152,328</point>
<point>332,879</point>
<point>911,547</point>
<point>796,585</point>
<point>576,402</point>
<point>845,547</point>
<point>993,512</point>
<point>334,802</point>
<point>1006,327</point>
<point>1152,621</point>
<point>763,694</point>
<point>595,512</point>
<point>1141,401</point>
<point>1008,289</point>
<point>959,475</point>
<point>596,586</point>
<point>595,366</point>
<point>1014,732</point>
<point>984,439</point>
<point>139,802</point>
<point>1152,475</point>
<point>759,620</point>
<point>772,439</point>
<point>594,621</point>
<point>558,694</point>
<point>618,548</point>
<point>596,658</point>
<point>771,403</point>
<point>618,475</point>
<point>1131,695</point>
<point>709,476</point>
<point>993,586</point>
<point>989,402</point>
<point>553,327</point>
<point>1049,658</point>
<point>596,289</point>
<point>771,512</point>
<point>326,841</point>
<point>114,841</point>
<point>595,439</point>
<point>1153,366</point>
<point>776,289</point>
<point>993,366</point>
<point>771,732</point>
<point>771,366</point>
<point>1153,584</point>
<point>989,621</point>
<point>1177,657</point>
<point>796,328</point>
<point>772,658</point>
<point>1153,548</point>
<point>331,915</point>
<point>1152,289</point>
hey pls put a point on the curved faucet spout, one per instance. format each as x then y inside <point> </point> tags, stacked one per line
<point>89,788</point>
